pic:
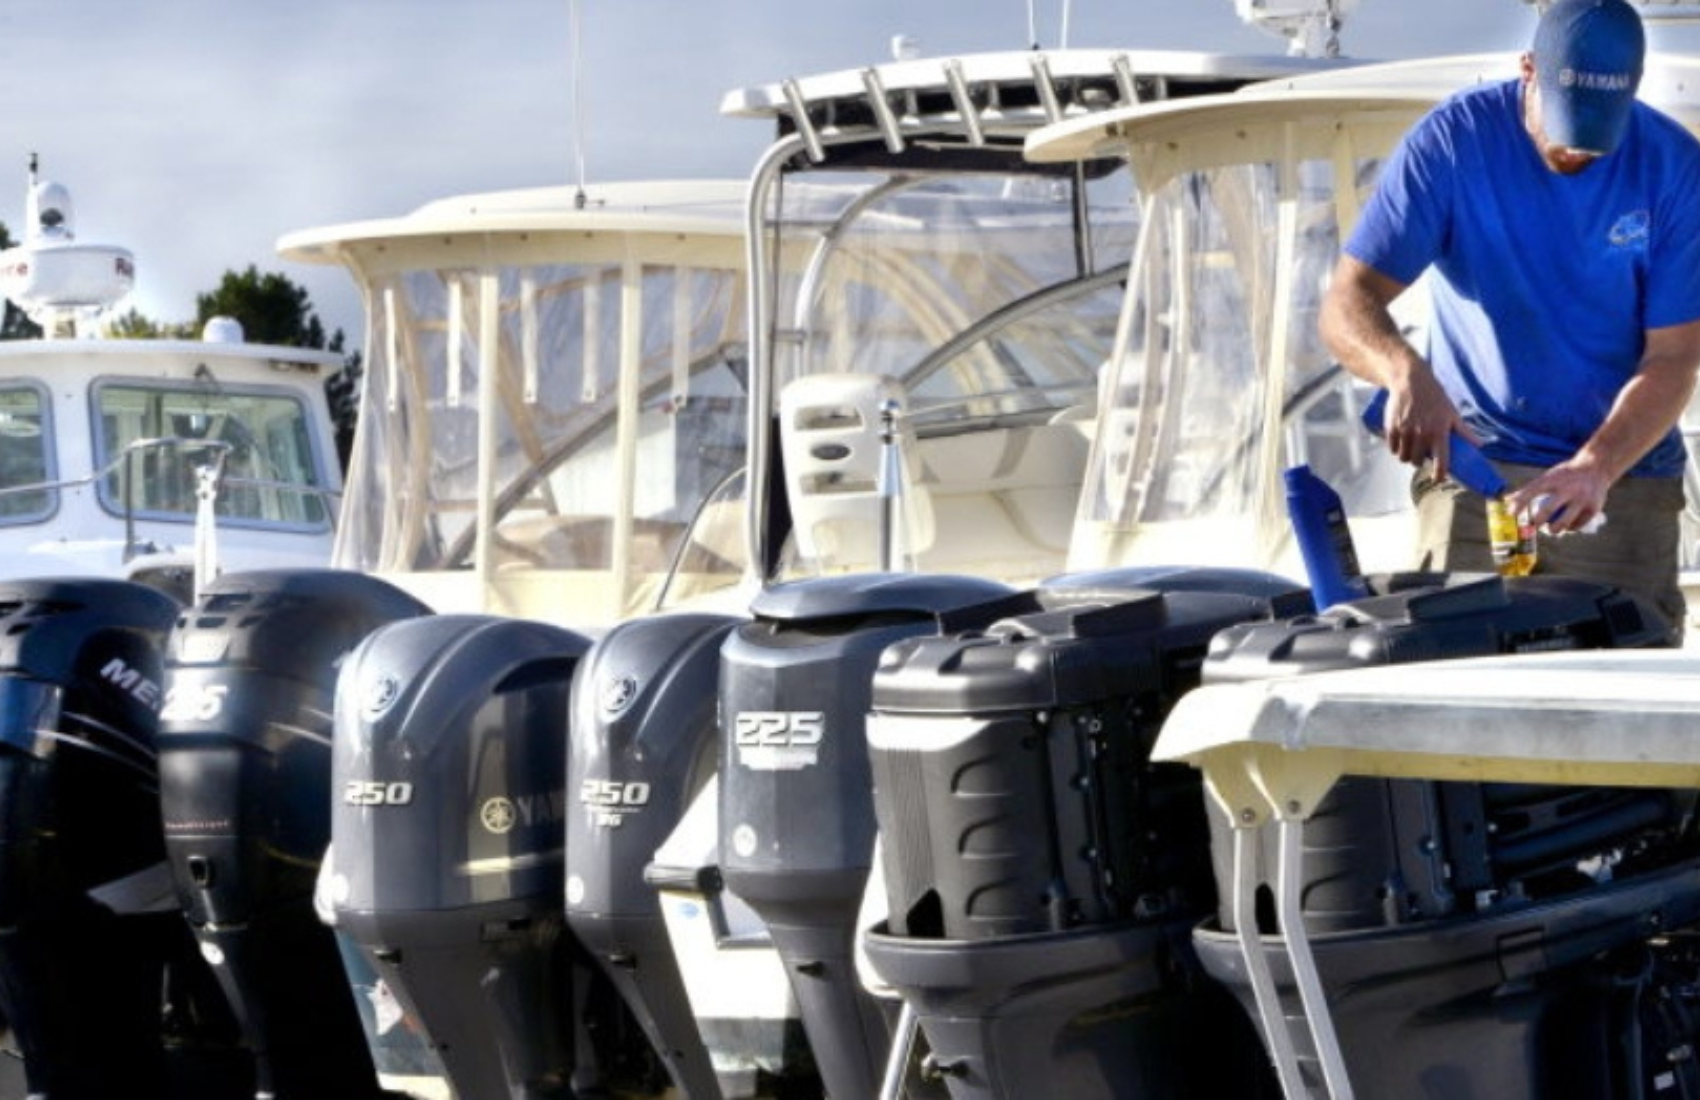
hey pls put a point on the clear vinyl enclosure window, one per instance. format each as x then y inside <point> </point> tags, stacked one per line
<point>558,399</point>
<point>26,454</point>
<point>150,436</point>
<point>956,287</point>
<point>1223,381</point>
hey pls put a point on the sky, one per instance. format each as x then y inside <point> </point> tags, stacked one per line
<point>198,132</point>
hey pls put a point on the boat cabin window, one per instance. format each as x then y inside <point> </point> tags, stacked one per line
<point>153,438</point>
<point>26,457</point>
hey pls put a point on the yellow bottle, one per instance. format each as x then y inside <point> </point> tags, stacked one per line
<point>1511,539</point>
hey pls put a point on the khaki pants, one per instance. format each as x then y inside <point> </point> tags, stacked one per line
<point>1636,550</point>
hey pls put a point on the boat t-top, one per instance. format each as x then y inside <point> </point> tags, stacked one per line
<point>554,384</point>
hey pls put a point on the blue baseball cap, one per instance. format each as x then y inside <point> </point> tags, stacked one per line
<point>1588,57</point>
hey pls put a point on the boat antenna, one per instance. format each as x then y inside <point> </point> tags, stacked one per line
<point>1033,25</point>
<point>577,32</point>
<point>1311,27</point>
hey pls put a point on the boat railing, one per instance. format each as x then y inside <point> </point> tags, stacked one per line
<point>125,457</point>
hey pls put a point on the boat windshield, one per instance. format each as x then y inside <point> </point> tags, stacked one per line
<point>1222,381</point>
<point>539,375</point>
<point>26,453</point>
<point>149,449</point>
<point>937,282</point>
<point>991,300</point>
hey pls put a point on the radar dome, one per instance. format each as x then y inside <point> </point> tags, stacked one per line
<point>222,330</point>
<point>50,212</point>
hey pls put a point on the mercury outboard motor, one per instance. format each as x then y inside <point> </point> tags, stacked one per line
<point>796,806</point>
<point>449,822</point>
<point>644,742</point>
<point>80,682</point>
<point>1472,939</point>
<point>1042,876</point>
<point>245,792</point>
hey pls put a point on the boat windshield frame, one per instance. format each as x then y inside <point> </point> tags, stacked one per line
<point>38,477</point>
<point>113,461</point>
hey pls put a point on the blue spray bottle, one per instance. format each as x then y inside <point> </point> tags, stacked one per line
<point>1464,460</point>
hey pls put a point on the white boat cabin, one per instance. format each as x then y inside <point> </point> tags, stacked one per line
<point>111,450</point>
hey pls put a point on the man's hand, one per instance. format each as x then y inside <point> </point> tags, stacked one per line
<point>1359,330</point>
<point>1421,420</point>
<point>1648,406</point>
<point>1565,498</point>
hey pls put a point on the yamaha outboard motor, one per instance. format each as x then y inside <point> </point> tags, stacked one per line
<point>451,752</point>
<point>644,742</point>
<point>80,684</point>
<point>245,792</point>
<point>796,809</point>
<point>1042,876</point>
<point>1472,939</point>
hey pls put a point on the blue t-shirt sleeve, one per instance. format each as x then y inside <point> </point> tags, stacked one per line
<point>1673,277</point>
<point>1404,225</point>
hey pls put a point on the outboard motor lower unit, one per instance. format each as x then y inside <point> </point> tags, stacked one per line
<point>245,790</point>
<point>451,738</point>
<point>796,809</point>
<point>80,682</point>
<point>644,743</point>
<point>1042,875</point>
<point>1472,939</point>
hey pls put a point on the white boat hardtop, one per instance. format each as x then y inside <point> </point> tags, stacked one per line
<point>1554,718</point>
<point>641,207</point>
<point>1398,90</point>
<point>994,98</point>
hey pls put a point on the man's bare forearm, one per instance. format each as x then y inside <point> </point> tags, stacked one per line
<point>1646,409</point>
<point>1358,328</point>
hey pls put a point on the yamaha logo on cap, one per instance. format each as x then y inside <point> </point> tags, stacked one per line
<point>1598,82</point>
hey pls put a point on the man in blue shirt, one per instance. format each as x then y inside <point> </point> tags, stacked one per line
<point>1559,220</point>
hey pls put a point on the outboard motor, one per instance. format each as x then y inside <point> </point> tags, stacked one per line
<point>644,742</point>
<point>796,810</point>
<point>449,821</point>
<point>245,792</point>
<point>80,684</point>
<point>1042,876</point>
<point>1500,940</point>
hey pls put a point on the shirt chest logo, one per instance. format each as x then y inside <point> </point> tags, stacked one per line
<point>1631,231</point>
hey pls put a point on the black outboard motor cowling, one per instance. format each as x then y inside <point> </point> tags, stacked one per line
<point>644,743</point>
<point>245,789</point>
<point>1478,939</point>
<point>1042,875</point>
<point>449,822</point>
<point>796,807</point>
<point>80,684</point>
